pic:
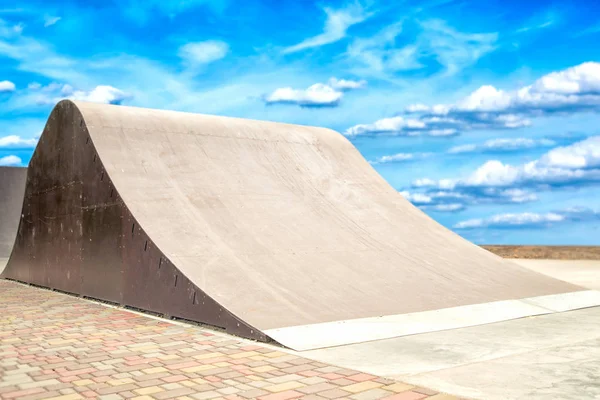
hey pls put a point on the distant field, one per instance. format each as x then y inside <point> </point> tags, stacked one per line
<point>547,252</point>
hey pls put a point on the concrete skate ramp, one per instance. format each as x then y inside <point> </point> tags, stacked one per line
<point>265,229</point>
<point>12,187</point>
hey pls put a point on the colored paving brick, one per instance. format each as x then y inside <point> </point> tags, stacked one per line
<point>56,346</point>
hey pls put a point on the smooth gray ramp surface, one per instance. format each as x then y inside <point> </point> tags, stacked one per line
<point>288,225</point>
<point>12,189</point>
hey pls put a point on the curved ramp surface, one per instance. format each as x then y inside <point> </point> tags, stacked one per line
<point>256,227</point>
<point>12,187</point>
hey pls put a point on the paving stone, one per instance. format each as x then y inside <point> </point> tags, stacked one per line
<point>290,394</point>
<point>398,387</point>
<point>284,386</point>
<point>149,390</point>
<point>116,389</point>
<point>206,395</point>
<point>424,391</point>
<point>64,347</point>
<point>334,394</point>
<point>407,396</point>
<point>320,387</point>
<point>361,387</point>
<point>361,377</point>
<point>373,394</point>
<point>312,397</point>
<point>252,394</point>
<point>111,397</point>
<point>171,394</point>
<point>442,396</point>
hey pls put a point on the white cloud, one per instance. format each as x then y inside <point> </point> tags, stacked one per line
<point>464,148</point>
<point>580,155</point>
<point>7,86</point>
<point>541,20</point>
<point>380,54</point>
<point>417,198</point>
<point>9,31</point>
<point>453,49</point>
<point>317,95</point>
<point>201,53</point>
<point>34,86</point>
<point>441,132</point>
<point>591,29</point>
<point>452,207</point>
<point>516,195</point>
<point>50,20</point>
<point>395,125</point>
<point>37,57</point>
<point>400,157</point>
<point>502,144</point>
<point>10,161</point>
<point>441,201</point>
<point>455,199</point>
<point>100,94</point>
<point>530,220</point>
<point>170,88</point>
<point>55,92</point>
<point>511,220</point>
<point>406,126</point>
<point>417,108</point>
<point>377,55</point>
<point>336,25</point>
<point>539,26</point>
<point>438,121</point>
<point>573,89</point>
<point>424,182</point>
<point>17,141</point>
<point>578,162</point>
<point>346,84</point>
<point>395,158</point>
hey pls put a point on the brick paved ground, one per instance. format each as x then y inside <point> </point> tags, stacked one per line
<point>55,346</point>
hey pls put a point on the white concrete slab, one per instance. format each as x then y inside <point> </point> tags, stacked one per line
<point>584,273</point>
<point>339,333</point>
<point>567,301</point>
<point>567,372</point>
<point>554,356</point>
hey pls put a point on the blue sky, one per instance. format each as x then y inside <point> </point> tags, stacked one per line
<point>483,114</point>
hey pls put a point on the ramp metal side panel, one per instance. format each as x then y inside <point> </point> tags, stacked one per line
<point>12,187</point>
<point>78,236</point>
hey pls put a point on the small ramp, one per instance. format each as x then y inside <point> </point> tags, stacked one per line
<point>268,230</point>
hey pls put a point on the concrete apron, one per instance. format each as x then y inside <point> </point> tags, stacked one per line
<point>584,273</point>
<point>553,356</point>
<point>549,356</point>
